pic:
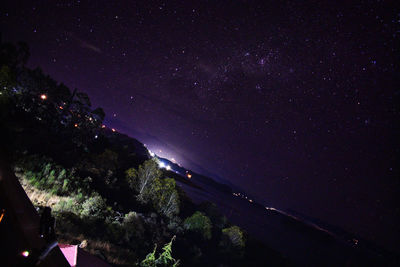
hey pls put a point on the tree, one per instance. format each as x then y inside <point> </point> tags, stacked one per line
<point>147,173</point>
<point>233,241</point>
<point>165,197</point>
<point>199,223</point>
<point>217,218</point>
<point>131,177</point>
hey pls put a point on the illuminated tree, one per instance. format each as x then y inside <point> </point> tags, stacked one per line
<point>147,173</point>
<point>165,197</point>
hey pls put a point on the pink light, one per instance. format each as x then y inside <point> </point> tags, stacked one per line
<point>25,253</point>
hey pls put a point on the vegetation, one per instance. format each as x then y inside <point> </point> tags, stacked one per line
<point>103,191</point>
<point>199,223</point>
<point>164,259</point>
<point>233,241</point>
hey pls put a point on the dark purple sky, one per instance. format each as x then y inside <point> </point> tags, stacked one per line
<point>295,102</point>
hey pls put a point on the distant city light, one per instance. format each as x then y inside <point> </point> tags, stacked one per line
<point>113,129</point>
<point>25,253</point>
<point>43,96</point>
<point>161,164</point>
<point>103,126</point>
<point>75,125</point>
<point>61,107</point>
<point>189,175</point>
<point>96,136</point>
<point>168,167</point>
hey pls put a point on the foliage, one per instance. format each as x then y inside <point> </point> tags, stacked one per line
<point>69,205</point>
<point>199,223</point>
<point>233,242</point>
<point>164,259</point>
<point>235,236</point>
<point>131,176</point>
<point>217,218</point>
<point>133,226</point>
<point>165,197</point>
<point>45,174</point>
<point>146,174</point>
<point>95,207</point>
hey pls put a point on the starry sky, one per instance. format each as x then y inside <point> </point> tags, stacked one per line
<point>294,101</point>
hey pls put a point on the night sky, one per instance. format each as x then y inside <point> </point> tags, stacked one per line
<point>294,102</point>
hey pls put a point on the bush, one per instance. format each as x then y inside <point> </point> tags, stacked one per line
<point>134,226</point>
<point>95,207</point>
<point>233,241</point>
<point>199,223</point>
<point>69,205</point>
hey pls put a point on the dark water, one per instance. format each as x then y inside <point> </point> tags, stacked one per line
<point>303,244</point>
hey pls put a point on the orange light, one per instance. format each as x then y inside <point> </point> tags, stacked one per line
<point>189,175</point>
<point>2,214</point>
<point>61,107</point>
<point>76,125</point>
<point>43,96</point>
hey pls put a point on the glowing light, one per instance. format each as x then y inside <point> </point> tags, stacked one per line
<point>25,253</point>
<point>251,201</point>
<point>168,168</point>
<point>2,214</point>
<point>75,125</point>
<point>189,176</point>
<point>103,126</point>
<point>96,136</point>
<point>113,129</point>
<point>161,164</point>
<point>61,107</point>
<point>43,96</point>
<point>151,153</point>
